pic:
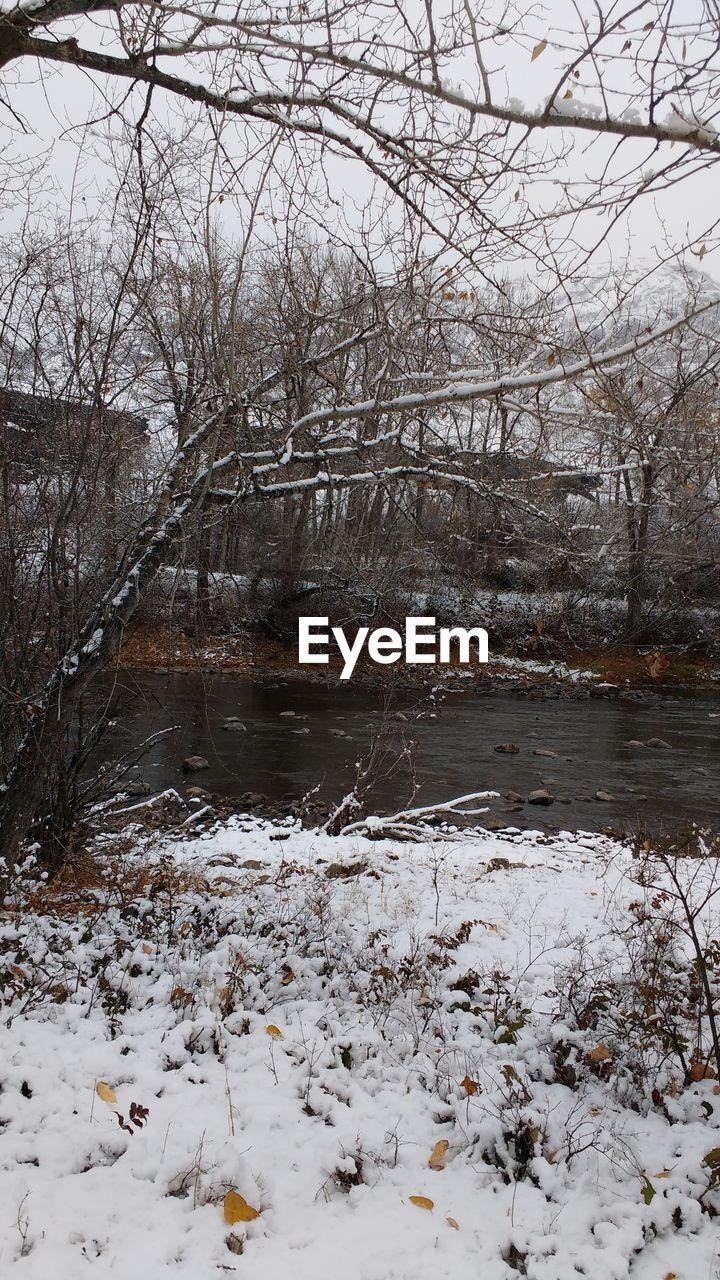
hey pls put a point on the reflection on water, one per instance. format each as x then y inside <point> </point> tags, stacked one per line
<point>283,757</point>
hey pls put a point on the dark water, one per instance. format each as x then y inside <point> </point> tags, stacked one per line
<point>658,789</point>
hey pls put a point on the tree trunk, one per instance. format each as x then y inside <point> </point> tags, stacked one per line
<point>26,785</point>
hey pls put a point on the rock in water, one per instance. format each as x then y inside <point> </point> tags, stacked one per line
<point>507,748</point>
<point>193,764</point>
<point>658,742</point>
<point>540,797</point>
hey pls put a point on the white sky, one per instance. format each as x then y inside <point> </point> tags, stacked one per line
<point>56,104</point>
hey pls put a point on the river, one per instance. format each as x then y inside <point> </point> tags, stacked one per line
<point>283,756</point>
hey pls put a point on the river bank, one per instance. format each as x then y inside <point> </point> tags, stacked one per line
<point>153,647</point>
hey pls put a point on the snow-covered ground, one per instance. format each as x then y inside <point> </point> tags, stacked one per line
<point>311,1040</point>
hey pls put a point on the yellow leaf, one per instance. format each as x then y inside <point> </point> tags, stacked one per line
<point>422,1202</point>
<point>568,93</point>
<point>452,1223</point>
<point>539,48</point>
<point>287,978</point>
<point>600,1053</point>
<point>274,1032</point>
<point>439,1152</point>
<point>104,1092</point>
<point>470,1086</point>
<point>237,1209</point>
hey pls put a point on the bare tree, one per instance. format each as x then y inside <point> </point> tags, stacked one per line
<point>348,393</point>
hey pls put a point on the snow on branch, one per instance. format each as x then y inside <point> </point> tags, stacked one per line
<point>416,825</point>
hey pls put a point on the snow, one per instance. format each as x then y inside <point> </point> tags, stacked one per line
<point>325,1124</point>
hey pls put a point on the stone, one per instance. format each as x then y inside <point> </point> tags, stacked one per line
<point>399,715</point>
<point>514,797</point>
<point>301,731</point>
<point>253,798</point>
<point>507,749</point>
<point>604,795</point>
<point>252,864</point>
<point>540,797</point>
<point>137,788</point>
<point>234,725</point>
<point>544,751</point>
<point>658,743</point>
<point>338,733</point>
<point>193,764</point>
<point>633,742</point>
<point>604,690</point>
<point>195,793</point>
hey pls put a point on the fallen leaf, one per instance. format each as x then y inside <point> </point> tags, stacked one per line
<point>470,1086</point>
<point>422,1202</point>
<point>540,47</point>
<point>699,1071</point>
<point>568,94</point>
<point>287,978</point>
<point>452,1223</point>
<point>274,1032</point>
<point>104,1092</point>
<point>439,1152</point>
<point>600,1053</point>
<point>237,1209</point>
<point>146,949</point>
<point>179,995</point>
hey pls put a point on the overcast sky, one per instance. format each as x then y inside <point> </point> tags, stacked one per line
<point>65,113</point>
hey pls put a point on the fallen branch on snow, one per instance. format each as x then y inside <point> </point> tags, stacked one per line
<point>413,824</point>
